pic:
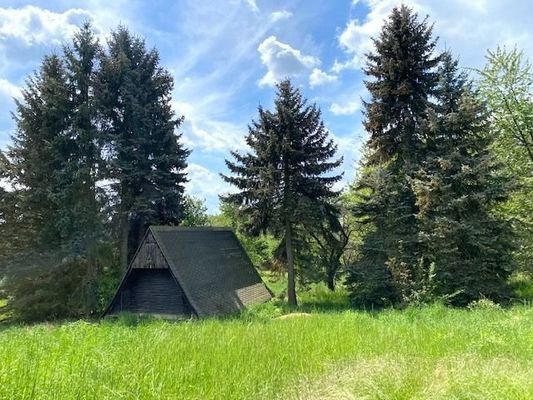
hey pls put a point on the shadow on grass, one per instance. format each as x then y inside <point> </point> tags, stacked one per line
<point>522,287</point>
<point>317,298</point>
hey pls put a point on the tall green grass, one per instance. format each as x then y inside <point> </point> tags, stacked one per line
<point>426,353</point>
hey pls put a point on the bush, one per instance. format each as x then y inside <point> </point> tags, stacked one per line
<point>75,288</point>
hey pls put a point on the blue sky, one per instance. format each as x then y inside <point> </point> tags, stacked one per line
<point>225,55</point>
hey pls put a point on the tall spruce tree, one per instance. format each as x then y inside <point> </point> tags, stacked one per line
<point>40,238</point>
<point>145,158</point>
<point>283,180</point>
<point>464,244</point>
<point>402,80</point>
<point>81,59</point>
<point>41,148</point>
<point>56,239</point>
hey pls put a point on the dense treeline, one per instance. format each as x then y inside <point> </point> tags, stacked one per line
<point>441,208</point>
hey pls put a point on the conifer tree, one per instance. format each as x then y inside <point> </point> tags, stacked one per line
<point>284,178</point>
<point>465,245</point>
<point>146,159</point>
<point>82,171</point>
<point>41,147</point>
<point>40,234</point>
<point>402,80</point>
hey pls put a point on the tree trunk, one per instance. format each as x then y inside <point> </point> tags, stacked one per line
<point>291,284</point>
<point>124,238</point>
<point>331,279</point>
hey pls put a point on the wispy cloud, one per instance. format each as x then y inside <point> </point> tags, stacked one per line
<point>9,89</point>
<point>206,184</point>
<point>280,15</point>
<point>253,5</point>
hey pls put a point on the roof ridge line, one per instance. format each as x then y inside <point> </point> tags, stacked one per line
<point>189,228</point>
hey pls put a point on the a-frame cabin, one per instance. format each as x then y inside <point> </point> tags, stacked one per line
<point>182,272</point>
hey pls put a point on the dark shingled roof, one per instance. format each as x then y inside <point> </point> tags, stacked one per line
<point>212,268</point>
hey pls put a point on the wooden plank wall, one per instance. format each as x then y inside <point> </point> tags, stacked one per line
<point>149,255</point>
<point>152,291</point>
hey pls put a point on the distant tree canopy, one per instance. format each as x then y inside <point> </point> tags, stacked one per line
<point>194,211</point>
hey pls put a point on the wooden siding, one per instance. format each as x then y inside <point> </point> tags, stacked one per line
<point>151,291</point>
<point>149,255</point>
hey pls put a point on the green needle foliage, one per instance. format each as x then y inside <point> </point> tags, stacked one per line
<point>283,182</point>
<point>430,186</point>
<point>145,157</point>
<point>465,246</point>
<point>402,79</point>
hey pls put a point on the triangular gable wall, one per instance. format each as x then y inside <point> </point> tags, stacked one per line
<point>149,282</point>
<point>149,254</point>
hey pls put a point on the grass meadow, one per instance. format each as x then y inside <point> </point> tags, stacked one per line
<point>330,352</point>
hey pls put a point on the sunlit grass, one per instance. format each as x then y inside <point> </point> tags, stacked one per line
<point>3,315</point>
<point>428,353</point>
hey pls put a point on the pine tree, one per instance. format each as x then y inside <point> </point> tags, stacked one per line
<point>282,180</point>
<point>146,159</point>
<point>402,68</point>
<point>403,79</point>
<point>467,247</point>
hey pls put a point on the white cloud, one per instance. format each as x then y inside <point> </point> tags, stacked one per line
<point>345,109</point>
<point>319,77</point>
<point>205,183</point>
<point>8,91</point>
<point>282,61</point>
<point>356,40</point>
<point>34,25</point>
<point>212,135</point>
<point>280,15</point>
<point>349,148</point>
